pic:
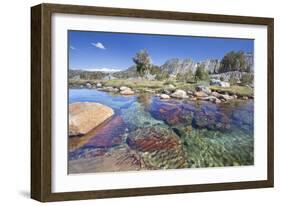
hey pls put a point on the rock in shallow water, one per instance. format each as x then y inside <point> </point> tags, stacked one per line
<point>173,113</point>
<point>211,121</point>
<point>84,116</point>
<point>159,147</point>
<point>117,159</point>
<point>107,135</point>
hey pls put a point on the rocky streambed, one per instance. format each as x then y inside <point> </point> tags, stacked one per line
<point>143,131</point>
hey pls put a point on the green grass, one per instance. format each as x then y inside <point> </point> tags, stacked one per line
<point>134,84</point>
<point>142,85</point>
<point>235,89</point>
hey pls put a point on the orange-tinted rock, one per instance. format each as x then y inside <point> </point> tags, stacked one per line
<point>173,114</point>
<point>84,116</point>
<point>159,148</point>
<point>108,135</point>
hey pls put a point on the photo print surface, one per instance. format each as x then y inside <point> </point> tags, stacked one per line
<point>154,102</point>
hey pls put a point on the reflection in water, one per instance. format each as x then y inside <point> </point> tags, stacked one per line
<point>145,100</point>
<point>163,134</point>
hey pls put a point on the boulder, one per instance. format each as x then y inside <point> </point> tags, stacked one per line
<point>216,94</point>
<point>108,135</point>
<point>127,92</point>
<point>85,116</point>
<point>124,88</point>
<point>217,101</point>
<point>115,90</point>
<point>226,97</point>
<point>219,83</point>
<point>200,94</point>
<point>99,85</point>
<point>245,98</point>
<point>164,96</point>
<point>88,85</point>
<point>110,89</point>
<point>202,88</point>
<point>180,94</point>
<point>224,84</point>
<point>189,92</point>
<point>215,82</point>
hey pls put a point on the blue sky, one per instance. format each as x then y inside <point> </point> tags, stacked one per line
<point>89,50</point>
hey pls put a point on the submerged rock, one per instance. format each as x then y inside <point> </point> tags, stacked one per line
<point>85,116</point>
<point>137,116</point>
<point>173,114</point>
<point>108,135</point>
<point>159,147</point>
<point>211,120</point>
<point>117,159</point>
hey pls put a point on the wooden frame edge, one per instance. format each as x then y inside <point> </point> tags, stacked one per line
<point>41,101</point>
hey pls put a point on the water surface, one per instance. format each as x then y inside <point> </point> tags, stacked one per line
<point>211,135</point>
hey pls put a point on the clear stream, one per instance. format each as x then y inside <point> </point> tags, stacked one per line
<point>212,135</point>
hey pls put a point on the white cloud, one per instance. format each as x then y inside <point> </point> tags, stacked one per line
<point>72,47</point>
<point>99,45</point>
<point>108,70</point>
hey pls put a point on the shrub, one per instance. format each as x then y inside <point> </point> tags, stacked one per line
<point>247,78</point>
<point>233,61</point>
<point>201,74</point>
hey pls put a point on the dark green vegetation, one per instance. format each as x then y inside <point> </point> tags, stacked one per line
<point>143,62</point>
<point>201,74</point>
<point>235,61</point>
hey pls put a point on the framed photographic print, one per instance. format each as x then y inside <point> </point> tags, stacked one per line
<point>130,102</point>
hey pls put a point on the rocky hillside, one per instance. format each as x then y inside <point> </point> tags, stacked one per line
<point>174,66</point>
<point>86,75</point>
<point>179,66</point>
